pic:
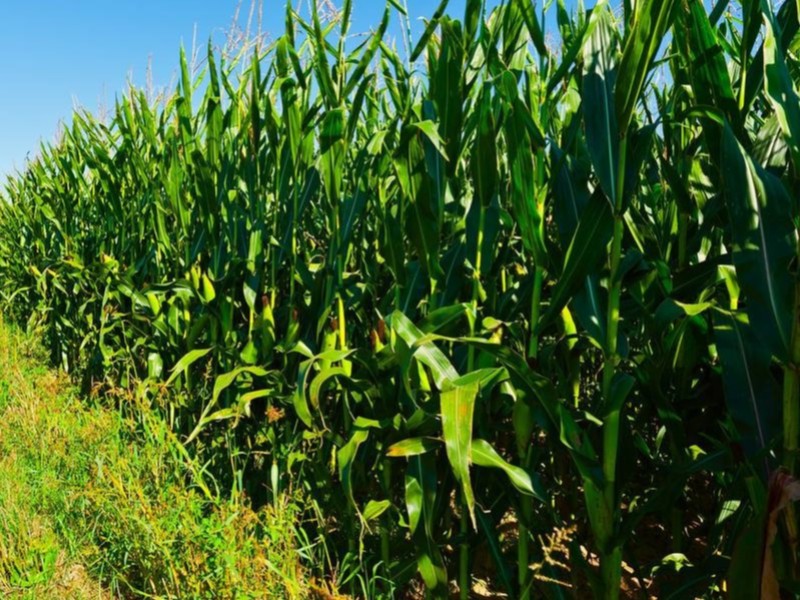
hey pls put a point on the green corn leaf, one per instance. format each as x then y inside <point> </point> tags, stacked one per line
<point>585,252</point>
<point>414,495</point>
<point>413,447</point>
<point>219,415</point>
<point>560,420</point>
<point>568,58</point>
<point>352,210</point>
<point>186,84</point>
<point>429,29</point>
<point>222,383</point>
<point>787,26</point>
<point>423,221</point>
<point>374,509</point>
<point>571,196</point>
<point>621,387</point>
<point>751,17</point>
<point>570,191</point>
<point>398,7</point>
<point>322,66</point>
<point>765,243</point>
<point>420,495</point>
<point>484,455</point>
<point>599,112</point>
<point>473,11</point>
<point>746,566</point>
<point>214,117</point>
<point>485,379</point>
<point>526,199</point>
<point>670,310</point>
<point>750,389</point>
<point>424,350</point>
<point>368,55</point>
<point>651,20</point>
<point>346,457</point>
<point>429,130</point>
<point>299,400</point>
<point>248,397</point>
<point>321,379</point>
<point>484,162</point>
<point>439,319</point>
<point>780,87</point>
<point>186,361</point>
<point>331,159</point>
<point>458,408</point>
<point>447,91</point>
<point>528,11</point>
<point>208,293</point>
<point>707,71</point>
<point>226,380</point>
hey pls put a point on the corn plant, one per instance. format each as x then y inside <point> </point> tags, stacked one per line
<point>498,282</point>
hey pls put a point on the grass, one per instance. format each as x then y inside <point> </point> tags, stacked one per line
<point>94,505</point>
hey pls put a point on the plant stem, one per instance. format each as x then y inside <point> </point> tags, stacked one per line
<point>523,547</point>
<point>536,304</point>
<point>791,417</point>
<point>791,391</point>
<point>683,226</point>
<point>387,523</point>
<point>294,249</point>
<point>538,277</point>
<point>476,287</point>
<point>611,558</point>
<point>526,507</point>
<point>573,357</point>
<point>463,558</point>
<point>342,326</point>
<point>463,554</point>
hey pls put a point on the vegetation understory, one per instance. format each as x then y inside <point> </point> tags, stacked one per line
<point>94,505</point>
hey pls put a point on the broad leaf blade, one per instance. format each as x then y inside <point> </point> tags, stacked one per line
<point>484,455</point>
<point>749,385</point>
<point>765,243</point>
<point>651,20</point>
<point>458,408</point>
<point>599,112</point>
<point>587,249</point>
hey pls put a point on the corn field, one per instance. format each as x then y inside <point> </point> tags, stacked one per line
<point>512,306</point>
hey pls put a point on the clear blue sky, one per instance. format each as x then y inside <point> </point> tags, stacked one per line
<point>54,53</point>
